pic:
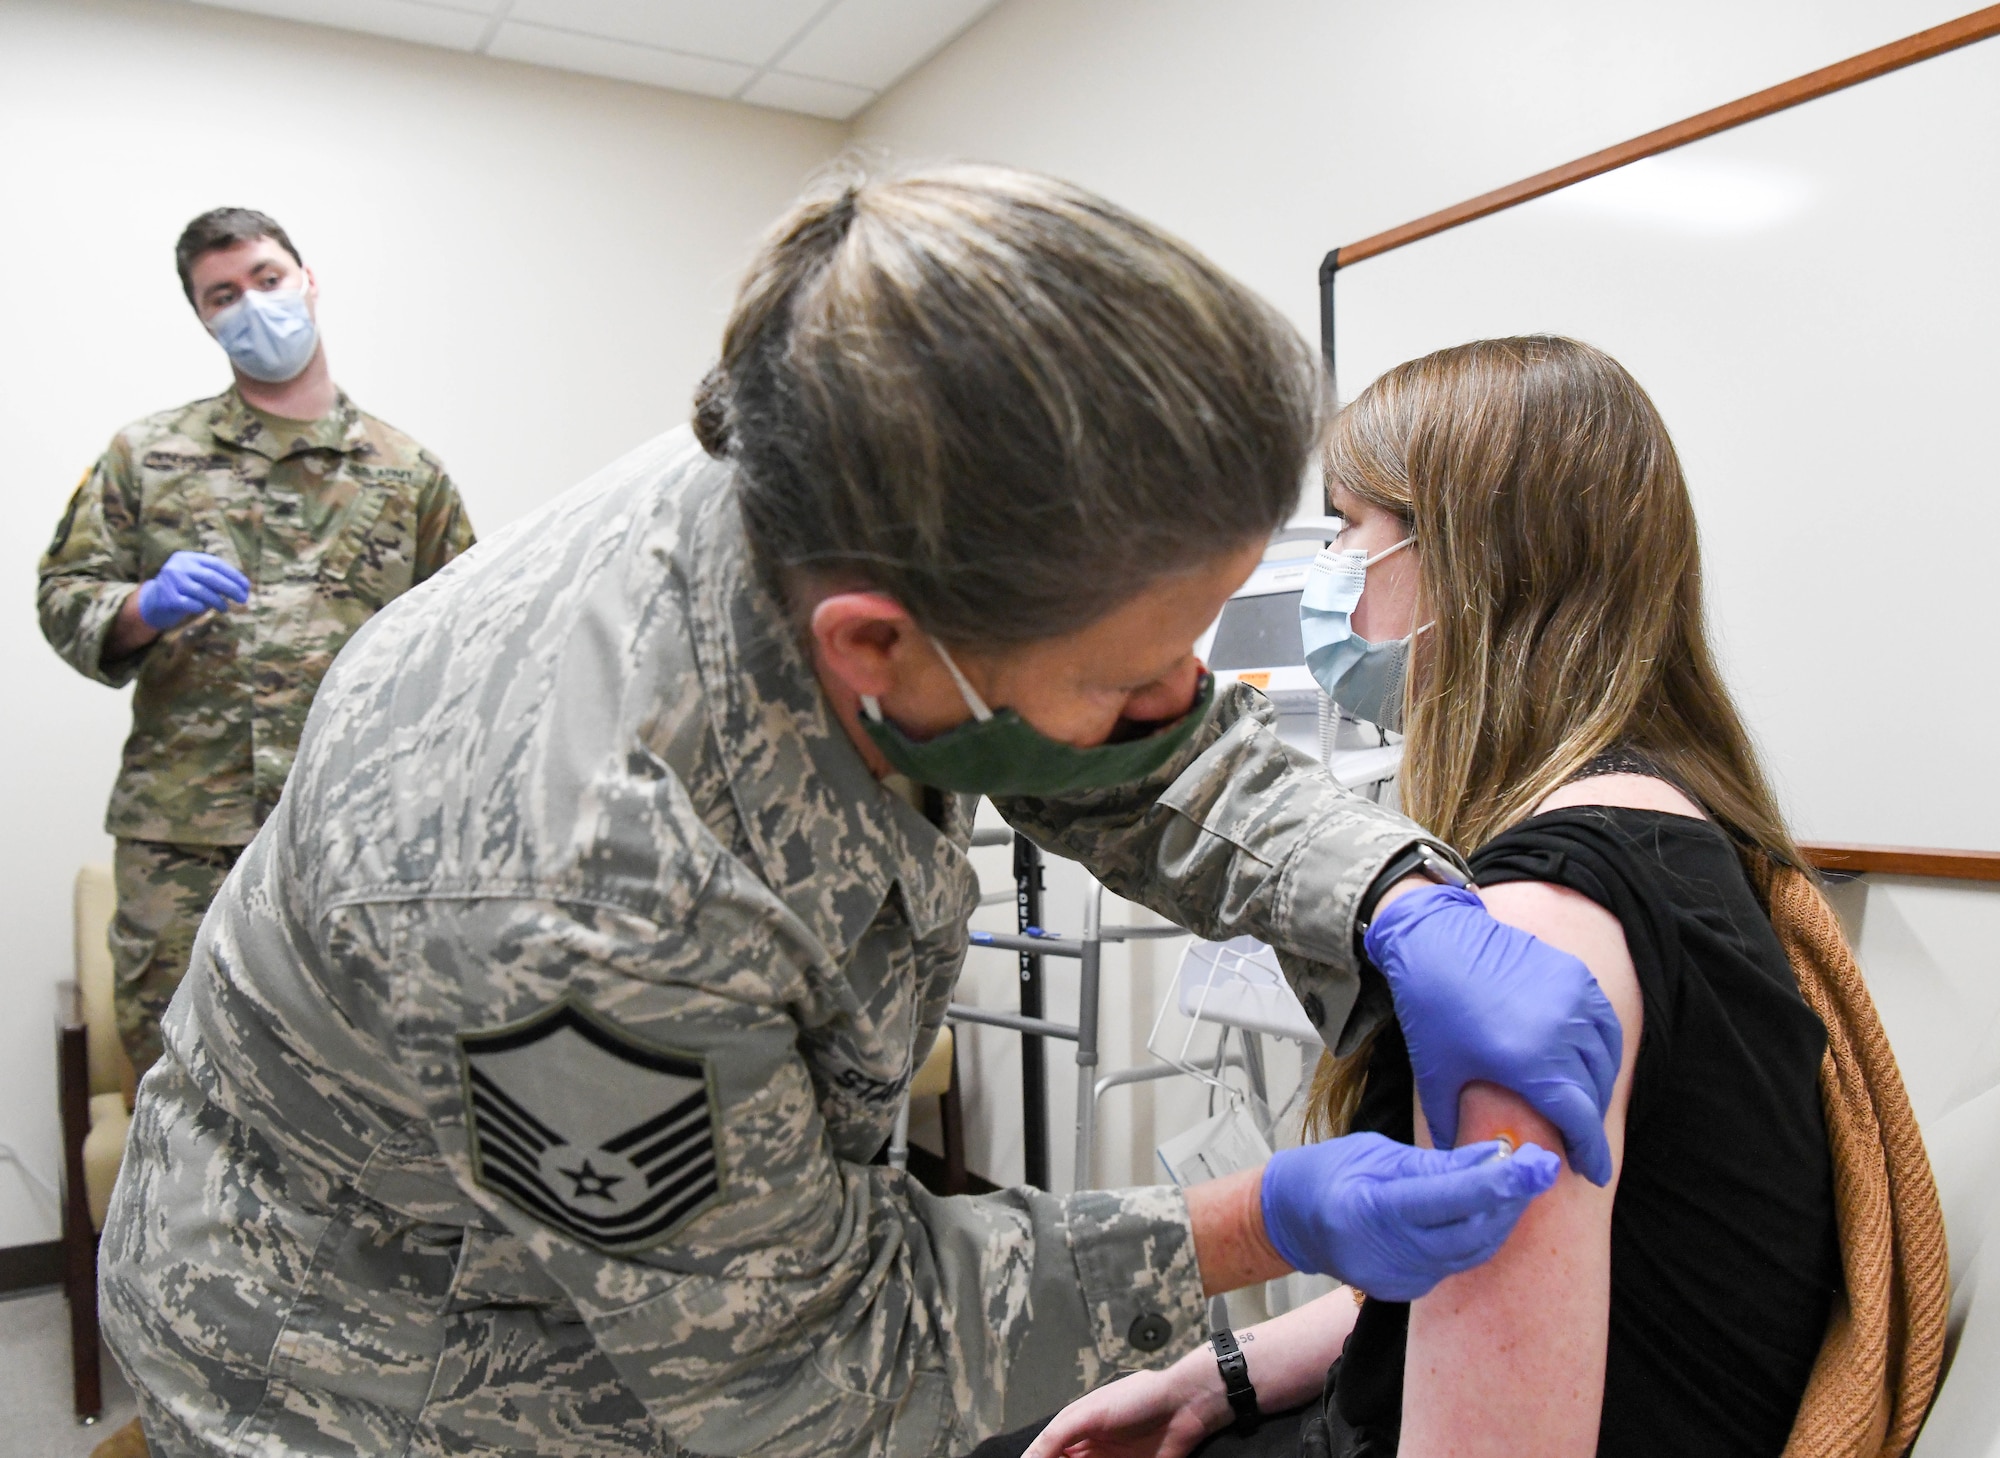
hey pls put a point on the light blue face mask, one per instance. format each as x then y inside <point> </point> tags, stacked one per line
<point>268,334</point>
<point>1365,679</point>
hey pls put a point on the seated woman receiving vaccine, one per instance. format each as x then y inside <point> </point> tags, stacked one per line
<point>1540,641</point>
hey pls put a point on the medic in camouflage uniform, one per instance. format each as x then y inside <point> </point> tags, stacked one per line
<point>322,521</point>
<point>522,1094</point>
<point>633,829</point>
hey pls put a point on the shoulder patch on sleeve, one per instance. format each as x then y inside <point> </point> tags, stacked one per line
<point>68,521</point>
<point>596,1134</point>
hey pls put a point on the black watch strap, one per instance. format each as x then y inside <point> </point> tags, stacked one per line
<point>1417,860</point>
<point>1236,1385</point>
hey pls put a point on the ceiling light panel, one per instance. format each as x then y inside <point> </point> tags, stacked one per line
<point>872,43</point>
<point>751,32</point>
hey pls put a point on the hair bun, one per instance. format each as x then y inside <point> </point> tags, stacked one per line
<point>711,413</point>
<point>840,215</point>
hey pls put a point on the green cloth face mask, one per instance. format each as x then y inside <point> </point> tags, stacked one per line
<point>1003,754</point>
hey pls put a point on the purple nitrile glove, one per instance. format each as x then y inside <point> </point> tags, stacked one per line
<point>190,583</point>
<point>1480,1000</point>
<point>1394,1220</point>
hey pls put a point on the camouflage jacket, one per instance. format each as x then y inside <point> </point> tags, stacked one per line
<point>537,1047</point>
<point>328,522</point>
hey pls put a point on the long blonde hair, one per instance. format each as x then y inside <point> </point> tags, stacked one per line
<point>1559,565</point>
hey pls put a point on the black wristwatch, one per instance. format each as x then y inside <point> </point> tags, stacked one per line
<point>1419,860</point>
<point>1236,1384</point>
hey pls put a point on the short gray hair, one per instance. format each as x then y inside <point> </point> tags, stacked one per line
<point>1000,400</point>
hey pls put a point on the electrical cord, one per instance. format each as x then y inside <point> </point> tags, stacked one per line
<point>10,1155</point>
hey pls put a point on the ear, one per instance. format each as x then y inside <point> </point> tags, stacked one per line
<point>862,639</point>
<point>312,287</point>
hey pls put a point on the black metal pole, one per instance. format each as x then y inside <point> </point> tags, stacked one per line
<point>1328,266</point>
<point>1034,1073</point>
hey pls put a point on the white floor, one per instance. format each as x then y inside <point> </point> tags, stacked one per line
<point>35,1382</point>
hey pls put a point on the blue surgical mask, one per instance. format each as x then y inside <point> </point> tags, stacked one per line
<point>268,334</point>
<point>1365,679</point>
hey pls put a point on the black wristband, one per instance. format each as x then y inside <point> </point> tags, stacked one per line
<point>1236,1384</point>
<point>1417,860</point>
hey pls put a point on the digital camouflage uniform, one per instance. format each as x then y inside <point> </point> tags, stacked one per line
<point>520,1096</point>
<point>163,888</point>
<point>329,521</point>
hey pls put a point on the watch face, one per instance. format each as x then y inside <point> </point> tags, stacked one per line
<point>1440,870</point>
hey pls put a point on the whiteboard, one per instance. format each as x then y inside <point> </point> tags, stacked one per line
<point>1813,301</point>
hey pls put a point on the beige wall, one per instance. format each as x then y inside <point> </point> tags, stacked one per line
<point>1268,132</point>
<point>527,270</point>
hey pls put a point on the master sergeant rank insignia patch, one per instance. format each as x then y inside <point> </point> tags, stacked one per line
<point>592,1132</point>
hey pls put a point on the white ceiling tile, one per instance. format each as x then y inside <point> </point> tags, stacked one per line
<point>570,52</point>
<point>750,31</point>
<point>873,43</point>
<point>835,55</point>
<point>456,26</point>
<point>808,94</point>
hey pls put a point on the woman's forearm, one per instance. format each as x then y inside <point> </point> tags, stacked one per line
<point>1287,1356</point>
<point>1171,1412</point>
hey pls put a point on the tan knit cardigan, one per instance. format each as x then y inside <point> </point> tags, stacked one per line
<point>1878,1366</point>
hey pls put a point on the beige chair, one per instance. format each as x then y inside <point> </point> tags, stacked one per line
<point>938,1079</point>
<point>94,1087</point>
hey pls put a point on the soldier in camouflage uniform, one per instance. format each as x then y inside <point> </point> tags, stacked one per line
<point>522,1093</point>
<point>326,519</point>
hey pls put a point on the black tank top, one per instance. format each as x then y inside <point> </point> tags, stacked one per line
<point>1724,1251</point>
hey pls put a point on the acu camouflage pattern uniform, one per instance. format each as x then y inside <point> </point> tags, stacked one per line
<point>329,520</point>
<point>583,806</point>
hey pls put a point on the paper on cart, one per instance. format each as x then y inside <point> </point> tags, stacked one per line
<point>1215,1147</point>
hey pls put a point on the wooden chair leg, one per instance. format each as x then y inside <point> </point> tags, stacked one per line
<point>80,1286</point>
<point>951,1111</point>
<point>79,1240</point>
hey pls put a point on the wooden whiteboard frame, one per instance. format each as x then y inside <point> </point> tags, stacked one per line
<point>1904,860</point>
<point>1937,41</point>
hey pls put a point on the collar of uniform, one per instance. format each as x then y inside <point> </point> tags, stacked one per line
<point>830,840</point>
<point>340,429</point>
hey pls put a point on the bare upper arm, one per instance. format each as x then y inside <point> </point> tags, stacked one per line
<point>1509,1358</point>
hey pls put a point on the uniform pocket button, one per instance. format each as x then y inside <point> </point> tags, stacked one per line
<point>1150,1331</point>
